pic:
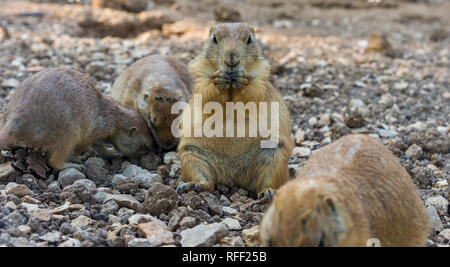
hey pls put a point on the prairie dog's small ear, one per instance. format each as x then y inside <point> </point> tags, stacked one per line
<point>132,131</point>
<point>330,207</point>
<point>212,29</point>
<point>335,227</point>
<point>326,205</point>
<point>144,101</point>
<point>252,30</point>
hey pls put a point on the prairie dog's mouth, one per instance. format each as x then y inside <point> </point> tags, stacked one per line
<point>232,65</point>
<point>154,134</point>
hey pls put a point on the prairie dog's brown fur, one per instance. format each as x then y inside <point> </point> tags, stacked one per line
<point>232,68</point>
<point>59,110</point>
<point>348,192</point>
<point>151,86</point>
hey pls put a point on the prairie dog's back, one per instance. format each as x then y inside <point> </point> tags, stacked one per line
<point>46,101</point>
<point>347,192</point>
<point>149,72</point>
<point>59,111</point>
<point>384,187</point>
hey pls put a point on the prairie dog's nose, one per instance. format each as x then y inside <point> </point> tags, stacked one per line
<point>232,59</point>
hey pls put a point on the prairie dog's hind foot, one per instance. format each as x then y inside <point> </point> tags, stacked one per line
<point>201,186</point>
<point>268,193</point>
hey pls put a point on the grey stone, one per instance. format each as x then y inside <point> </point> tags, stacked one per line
<point>28,180</point>
<point>188,222</point>
<point>232,224</point>
<point>445,234</point>
<point>22,242</point>
<point>156,233</point>
<point>224,200</point>
<point>70,243</point>
<point>388,133</point>
<point>160,199</point>
<point>212,202</point>
<point>68,228</point>
<point>229,211</point>
<point>204,235</point>
<point>82,235</point>
<point>124,184</point>
<point>54,187</point>
<point>18,190</point>
<point>150,161</point>
<point>15,219</point>
<point>140,242</point>
<point>110,207</point>
<point>431,140</point>
<point>138,175</point>
<point>81,191</point>
<point>439,202</point>
<point>51,237</point>
<point>95,170</point>
<point>7,172</point>
<point>82,221</point>
<point>191,199</point>
<point>435,221</point>
<point>69,176</point>
<point>414,152</point>
<point>121,199</point>
<point>139,218</point>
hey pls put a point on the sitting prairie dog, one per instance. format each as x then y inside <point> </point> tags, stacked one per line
<point>151,86</point>
<point>347,194</point>
<point>232,68</point>
<point>59,110</point>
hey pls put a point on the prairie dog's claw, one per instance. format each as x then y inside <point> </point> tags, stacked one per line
<point>268,193</point>
<point>190,186</point>
<point>221,79</point>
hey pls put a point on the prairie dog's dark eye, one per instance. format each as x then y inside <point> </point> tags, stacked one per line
<point>249,40</point>
<point>214,39</point>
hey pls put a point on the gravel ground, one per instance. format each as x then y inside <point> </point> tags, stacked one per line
<point>342,66</point>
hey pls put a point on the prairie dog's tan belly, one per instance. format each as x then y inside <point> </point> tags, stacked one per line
<point>227,164</point>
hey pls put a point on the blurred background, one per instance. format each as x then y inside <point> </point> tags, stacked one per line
<point>377,67</point>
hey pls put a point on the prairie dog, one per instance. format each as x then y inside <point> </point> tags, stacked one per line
<point>151,86</point>
<point>347,193</point>
<point>59,110</point>
<point>232,68</point>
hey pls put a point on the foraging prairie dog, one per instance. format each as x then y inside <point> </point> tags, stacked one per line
<point>349,193</point>
<point>59,110</point>
<point>151,86</point>
<point>231,68</point>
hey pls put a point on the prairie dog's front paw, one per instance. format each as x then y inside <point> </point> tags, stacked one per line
<point>239,79</point>
<point>221,79</point>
